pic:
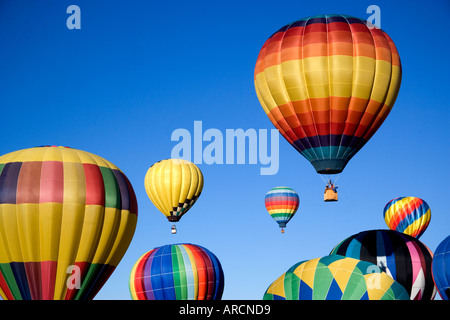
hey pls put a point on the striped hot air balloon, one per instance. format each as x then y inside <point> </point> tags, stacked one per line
<point>177,272</point>
<point>404,258</point>
<point>335,278</point>
<point>409,215</point>
<point>327,83</point>
<point>66,219</point>
<point>282,204</point>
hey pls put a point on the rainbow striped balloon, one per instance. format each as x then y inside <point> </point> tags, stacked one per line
<point>282,204</point>
<point>177,272</point>
<point>409,215</point>
<point>327,83</point>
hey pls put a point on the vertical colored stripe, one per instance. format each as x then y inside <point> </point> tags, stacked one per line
<point>157,283</point>
<point>28,182</point>
<point>209,272</point>
<point>202,275</point>
<point>20,276</point>
<point>167,273</point>
<point>112,191</point>
<point>52,182</point>
<point>95,189</point>
<point>389,251</point>
<point>146,273</point>
<point>178,272</point>
<point>48,271</point>
<point>8,182</point>
<point>8,282</point>
<point>218,276</point>
<point>189,272</point>
<point>127,196</point>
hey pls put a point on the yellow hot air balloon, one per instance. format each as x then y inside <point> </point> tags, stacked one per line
<point>173,186</point>
<point>66,219</point>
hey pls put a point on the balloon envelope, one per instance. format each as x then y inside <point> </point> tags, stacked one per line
<point>404,258</point>
<point>173,186</point>
<point>409,215</point>
<point>66,219</point>
<point>177,272</point>
<point>281,203</point>
<point>441,268</point>
<point>335,278</point>
<point>327,83</point>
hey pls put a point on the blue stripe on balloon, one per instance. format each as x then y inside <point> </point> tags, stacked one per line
<point>20,276</point>
<point>167,273</point>
<point>353,249</point>
<point>390,255</point>
<point>156,271</point>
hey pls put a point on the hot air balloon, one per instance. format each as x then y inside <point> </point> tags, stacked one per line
<point>177,272</point>
<point>441,268</point>
<point>404,258</point>
<point>335,278</point>
<point>173,186</point>
<point>282,203</point>
<point>327,83</point>
<point>66,219</point>
<point>409,215</point>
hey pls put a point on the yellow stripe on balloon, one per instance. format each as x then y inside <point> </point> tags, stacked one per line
<point>123,238</point>
<point>418,224</point>
<point>9,230</point>
<point>307,277</point>
<point>342,277</point>
<point>277,287</point>
<point>360,76</point>
<point>29,235</point>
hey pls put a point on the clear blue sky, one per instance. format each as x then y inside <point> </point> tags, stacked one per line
<point>138,70</point>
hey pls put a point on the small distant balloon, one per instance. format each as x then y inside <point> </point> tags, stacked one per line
<point>410,215</point>
<point>282,204</point>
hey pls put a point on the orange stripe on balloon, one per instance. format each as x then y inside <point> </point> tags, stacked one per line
<point>28,182</point>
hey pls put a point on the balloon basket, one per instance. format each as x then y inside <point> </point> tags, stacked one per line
<point>330,195</point>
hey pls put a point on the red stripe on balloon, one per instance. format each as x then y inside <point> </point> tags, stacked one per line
<point>95,188</point>
<point>52,182</point>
